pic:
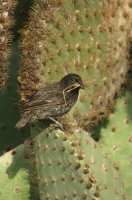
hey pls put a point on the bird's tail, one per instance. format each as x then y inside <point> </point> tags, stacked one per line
<point>23,120</point>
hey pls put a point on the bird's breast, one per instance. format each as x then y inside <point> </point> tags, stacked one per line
<point>71,98</point>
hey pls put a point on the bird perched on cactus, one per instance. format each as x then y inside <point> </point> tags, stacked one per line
<point>52,101</point>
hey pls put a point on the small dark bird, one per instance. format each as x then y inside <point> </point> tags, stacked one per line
<point>52,101</point>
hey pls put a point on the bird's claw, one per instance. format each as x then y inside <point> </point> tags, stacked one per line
<point>57,124</point>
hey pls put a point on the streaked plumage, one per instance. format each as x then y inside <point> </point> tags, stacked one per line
<point>53,100</point>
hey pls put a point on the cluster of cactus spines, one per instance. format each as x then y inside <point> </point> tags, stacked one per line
<point>116,139</point>
<point>117,17</point>
<point>80,37</point>
<point>14,173</point>
<point>6,22</point>
<point>72,166</point>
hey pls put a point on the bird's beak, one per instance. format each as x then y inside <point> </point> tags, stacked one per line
<point>81,84</point>
<point>78,84</point>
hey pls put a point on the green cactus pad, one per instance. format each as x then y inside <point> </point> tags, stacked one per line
<point>116,139</point>
<point>14,178</point>
<point>73,167</point>
<point>18,174</point>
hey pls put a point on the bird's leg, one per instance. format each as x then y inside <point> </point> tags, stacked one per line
<point>57,123</point>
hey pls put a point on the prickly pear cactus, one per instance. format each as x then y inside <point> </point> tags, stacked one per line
<point>14,179</point>
<point>72,166</point>
<point>90,38</point>
<point>116,139</point>
<point>116,19</point>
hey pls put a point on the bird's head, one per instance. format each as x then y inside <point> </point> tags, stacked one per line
<point>72,81</point>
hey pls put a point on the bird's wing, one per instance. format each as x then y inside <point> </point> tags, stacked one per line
<point>49,96</point>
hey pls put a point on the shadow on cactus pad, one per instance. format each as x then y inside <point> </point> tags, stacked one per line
<point>9,113</point>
